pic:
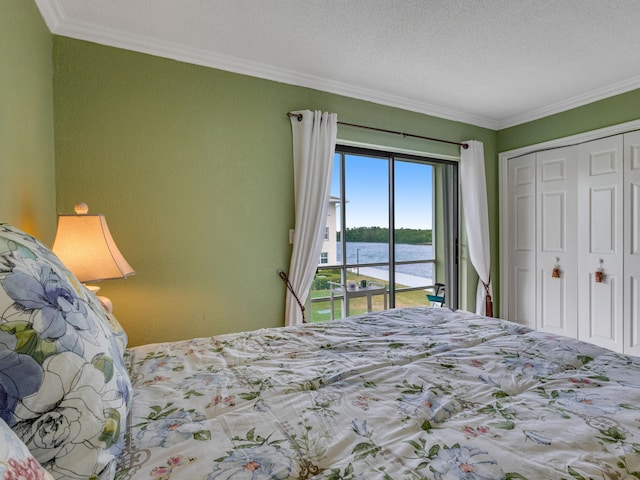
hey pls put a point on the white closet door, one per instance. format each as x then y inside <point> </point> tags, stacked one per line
<point>522,240</point>
<point>556,224</point>
<point>632,243</point>
<point>600,304</point>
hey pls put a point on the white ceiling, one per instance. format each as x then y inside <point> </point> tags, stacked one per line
<point>492,63</point>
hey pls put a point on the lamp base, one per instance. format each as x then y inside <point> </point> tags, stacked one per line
<point>106,304</point>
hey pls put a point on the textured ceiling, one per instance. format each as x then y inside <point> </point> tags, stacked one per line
<point>492,63</point>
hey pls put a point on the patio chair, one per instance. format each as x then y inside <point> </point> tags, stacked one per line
<point>437,298</point>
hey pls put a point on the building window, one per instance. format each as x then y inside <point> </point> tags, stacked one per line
<point>326,233</point>
<point>395,219</point>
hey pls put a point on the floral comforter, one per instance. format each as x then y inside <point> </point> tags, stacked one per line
<point>403,394</point>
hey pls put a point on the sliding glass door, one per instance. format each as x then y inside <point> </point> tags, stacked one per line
<point>392,223</point>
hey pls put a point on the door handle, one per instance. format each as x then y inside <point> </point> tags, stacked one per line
<point>599,274</point>
<point>555,273</point>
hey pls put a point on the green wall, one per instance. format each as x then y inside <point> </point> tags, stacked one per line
<point>27,196</point>
<point>610,111</point>
<point>193,168</point>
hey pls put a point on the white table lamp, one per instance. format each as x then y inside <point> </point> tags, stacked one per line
<point>84,244</point>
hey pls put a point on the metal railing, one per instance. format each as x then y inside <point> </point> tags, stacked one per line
<point>353,267</point>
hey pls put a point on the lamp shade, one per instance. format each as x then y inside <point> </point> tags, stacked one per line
<point>84,244</point>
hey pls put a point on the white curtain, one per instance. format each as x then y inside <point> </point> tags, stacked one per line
<point>314,145</point>
<point>476,213</point>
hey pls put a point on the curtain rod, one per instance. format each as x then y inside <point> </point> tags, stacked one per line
<point>463,145</point>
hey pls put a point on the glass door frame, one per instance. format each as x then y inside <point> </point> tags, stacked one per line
<point>450,220</point>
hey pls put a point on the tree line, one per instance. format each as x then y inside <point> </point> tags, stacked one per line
<point>411,236</point>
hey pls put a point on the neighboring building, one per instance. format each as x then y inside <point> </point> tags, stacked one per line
<point>329,253</point>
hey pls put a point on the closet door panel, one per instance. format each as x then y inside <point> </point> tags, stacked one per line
<point>600,245</point>
<point>553,222</point>
<point>632,328</point>
<point>552,296</point>
<point>556,209</point>
<point>523,307</point>
<point>603,303</point>
<point>603,218</point>
<point>521,198</point>
<point>632,243</point>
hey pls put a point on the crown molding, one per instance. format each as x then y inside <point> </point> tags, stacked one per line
<point>573,102</point>
<point>51,12</point>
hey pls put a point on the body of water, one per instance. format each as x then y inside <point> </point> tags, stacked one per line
<point>359,253</point>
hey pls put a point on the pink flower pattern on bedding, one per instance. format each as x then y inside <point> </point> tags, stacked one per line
<point>406,394</point>
<point>16,462</point>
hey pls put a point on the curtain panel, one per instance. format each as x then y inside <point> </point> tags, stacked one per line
<point>476,214</point>
<point>314,145</point>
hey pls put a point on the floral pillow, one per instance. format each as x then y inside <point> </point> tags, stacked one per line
<point>63,386</point>
<point>118,333</point>
<point>16,463</point>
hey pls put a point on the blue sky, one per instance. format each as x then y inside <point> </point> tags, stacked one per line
<point>367,192</point>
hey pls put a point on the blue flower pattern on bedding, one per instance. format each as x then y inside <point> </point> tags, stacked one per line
<point>170,429</point>
<point>20,376</point>
<point>405,394</point>
<point>62,317</point>
<point>263,462</point>
<point>65,390</point>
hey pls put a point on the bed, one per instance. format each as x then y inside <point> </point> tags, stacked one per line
<point>415,393</point>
